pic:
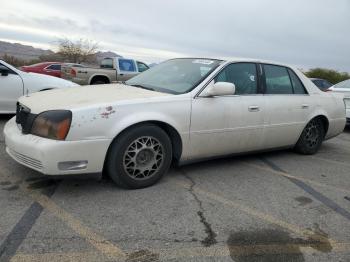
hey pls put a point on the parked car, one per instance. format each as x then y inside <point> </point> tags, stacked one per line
<point>344,88</point>
<point>66,70</point>
<point>182,110</point>
<point>322,84</point>
<point>15,83</point>
<point>111,69</point>
<point>46,68</point>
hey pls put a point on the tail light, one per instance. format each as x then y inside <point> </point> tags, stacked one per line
<point>73,72</point>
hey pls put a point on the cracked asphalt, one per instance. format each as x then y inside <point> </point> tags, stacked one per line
<point>276,206</point>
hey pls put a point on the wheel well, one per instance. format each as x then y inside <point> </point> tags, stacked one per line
<point>325,122</point>
<point>174,136</point>
<point>102,78</point>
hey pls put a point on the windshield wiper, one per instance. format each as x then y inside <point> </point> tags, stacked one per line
<point>141,86</point>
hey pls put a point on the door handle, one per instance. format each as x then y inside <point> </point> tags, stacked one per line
<point>254,108</point>
<point>304,106</point>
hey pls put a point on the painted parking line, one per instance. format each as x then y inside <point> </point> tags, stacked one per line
<point>58,257</point>
<point>214,251</point>
<point>194,252</point>
<point>285,174</point>
<point>19,232</point>
<point>106,247</point>
<point>260,215</point>
<point>310,190</point>
<point>331,161</point>
<point>247,250</point>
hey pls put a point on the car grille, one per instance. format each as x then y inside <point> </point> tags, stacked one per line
<point>24,118</point>
<point>34,163</point>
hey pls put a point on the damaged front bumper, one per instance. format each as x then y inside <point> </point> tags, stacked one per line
<point>53,157</point>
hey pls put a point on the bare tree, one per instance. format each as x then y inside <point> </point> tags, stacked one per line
<point>79,51</point>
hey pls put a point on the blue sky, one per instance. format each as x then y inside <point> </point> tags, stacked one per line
<point>311,33</point>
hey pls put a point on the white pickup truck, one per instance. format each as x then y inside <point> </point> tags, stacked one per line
<point>111,69</point>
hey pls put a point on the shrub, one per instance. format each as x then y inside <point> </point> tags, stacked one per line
<point>332,76</point>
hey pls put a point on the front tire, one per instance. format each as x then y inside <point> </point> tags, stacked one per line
<point>139,157</point>
<point>311,138</point>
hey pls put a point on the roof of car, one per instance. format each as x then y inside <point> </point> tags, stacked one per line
<point>241,59</point>
<point>45,63</point>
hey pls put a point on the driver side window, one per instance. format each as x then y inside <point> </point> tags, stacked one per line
<point>242,75</point>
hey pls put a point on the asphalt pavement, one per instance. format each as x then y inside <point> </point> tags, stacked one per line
<point>277,206</point>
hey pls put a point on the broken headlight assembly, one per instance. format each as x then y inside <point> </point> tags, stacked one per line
<point>53,124</point>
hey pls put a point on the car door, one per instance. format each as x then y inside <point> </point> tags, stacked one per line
<point>126,69</point>
<point>53,70</point>
<point>11,88</point>
<point>287,103</point>
<point>222,125</point>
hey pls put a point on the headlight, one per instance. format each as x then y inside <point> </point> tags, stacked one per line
<point>53,124</point>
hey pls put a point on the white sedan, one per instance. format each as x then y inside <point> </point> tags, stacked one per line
<point>15,83</point>
<point>182,110</point>
<point>344,88</point>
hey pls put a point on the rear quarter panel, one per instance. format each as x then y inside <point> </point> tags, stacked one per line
<point>331,106</point>
<point>85,75</point>
<point>327,104</point>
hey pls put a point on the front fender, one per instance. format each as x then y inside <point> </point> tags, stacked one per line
<point>107,121</point>
<point>134,119</point>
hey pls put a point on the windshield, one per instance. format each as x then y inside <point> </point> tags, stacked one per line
<point>176,76</point>
<point>344,84</point>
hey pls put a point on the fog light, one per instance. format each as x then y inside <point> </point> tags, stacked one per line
<point>72,165</point>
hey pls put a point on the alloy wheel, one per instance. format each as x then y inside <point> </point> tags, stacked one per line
<point>143,158</point>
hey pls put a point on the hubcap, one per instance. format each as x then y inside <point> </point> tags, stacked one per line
<point>311,134</point>
<point>143,158</point>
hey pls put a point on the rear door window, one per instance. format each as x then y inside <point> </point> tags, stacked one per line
<point>277,80</point>
<point>126,65</point>
<point>107,63</point>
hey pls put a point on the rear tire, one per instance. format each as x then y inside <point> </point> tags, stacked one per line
<point>311,138</point>
<point>139,157</point>
<point>99,82</point>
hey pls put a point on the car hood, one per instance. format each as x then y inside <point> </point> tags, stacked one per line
<point>85,96</point>
<point>46,80</point>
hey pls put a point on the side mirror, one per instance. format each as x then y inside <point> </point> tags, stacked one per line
<point>4,71</point>
<point>220,89</point>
